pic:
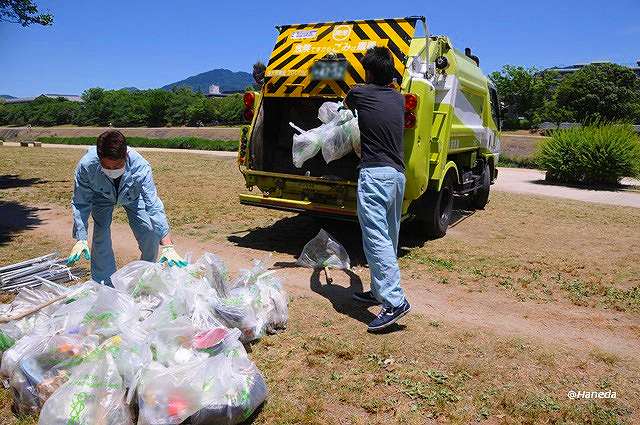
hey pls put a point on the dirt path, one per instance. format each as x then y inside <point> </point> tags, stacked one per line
<point>578,328</point>
<point>522,180</point>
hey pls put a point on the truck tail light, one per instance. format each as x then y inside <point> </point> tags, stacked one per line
<point>410,102</point>
<point>249,99</point>
<point>409,119</point>
<point>248,114</point>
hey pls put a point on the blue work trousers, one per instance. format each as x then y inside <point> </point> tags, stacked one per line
<point>103,262</point>
<point>380,194</point>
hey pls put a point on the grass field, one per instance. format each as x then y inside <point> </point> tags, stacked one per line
<point>172,143</point>
<point>325,369</point>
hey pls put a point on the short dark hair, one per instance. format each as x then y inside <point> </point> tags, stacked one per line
<point>379,63</point>
<point>112,144</point>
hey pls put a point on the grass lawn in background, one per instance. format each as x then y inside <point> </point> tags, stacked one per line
<point>172,143</point>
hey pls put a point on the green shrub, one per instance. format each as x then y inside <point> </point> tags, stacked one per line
<point>591,155</point>
<point>172,143</point>
<point>516,162</point>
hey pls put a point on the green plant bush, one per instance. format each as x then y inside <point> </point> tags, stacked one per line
<point>591,155</point>
<point>516,162</point>
<point>171,143</point>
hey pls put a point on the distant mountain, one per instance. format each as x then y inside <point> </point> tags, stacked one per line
<point>6,96</point>
<point>132,89</point>
<point>227,80</point>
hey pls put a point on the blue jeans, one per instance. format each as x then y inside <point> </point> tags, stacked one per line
<point>103,262</point>
<point>380,194</point>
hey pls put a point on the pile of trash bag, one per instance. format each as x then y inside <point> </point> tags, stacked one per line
<point>338,135</point>
<point>163,346</point>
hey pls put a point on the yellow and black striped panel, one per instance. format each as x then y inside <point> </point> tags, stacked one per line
<point>298,47</point>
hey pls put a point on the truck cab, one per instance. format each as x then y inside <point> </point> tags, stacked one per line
<point>451,137</point>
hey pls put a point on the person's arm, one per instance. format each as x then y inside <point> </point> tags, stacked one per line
<point>158,218</point>
<point>349,101</point>
<point>81,204</point>
<point>155,209</point>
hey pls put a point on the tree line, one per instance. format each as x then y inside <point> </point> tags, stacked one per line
<point>125,108</point>
<point>601,92</point>
<point>595,93</point>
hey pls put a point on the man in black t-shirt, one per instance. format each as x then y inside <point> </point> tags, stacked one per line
<point>381,180</point>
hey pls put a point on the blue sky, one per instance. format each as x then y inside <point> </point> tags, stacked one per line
<point>147,44</point>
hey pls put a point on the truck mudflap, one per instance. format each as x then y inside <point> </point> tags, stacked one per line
<point>297,206</point>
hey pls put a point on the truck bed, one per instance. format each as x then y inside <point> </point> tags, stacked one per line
<point>272,140</point>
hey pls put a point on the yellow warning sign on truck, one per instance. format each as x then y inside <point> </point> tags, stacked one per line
<point>323,59</point>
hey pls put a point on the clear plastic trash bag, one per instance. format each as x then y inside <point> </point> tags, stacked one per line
<point>94,394</point>
<point>133,356</point>
<point>272,304</point>
<point>112,313</point>
<point>223,388</point>
<point>143,278</point>
<point>172,344</point>
<point>236,311</point>
<point>324,251</point>
<point>328,111</point>
<point>215,272</point>
<point>344,138</point>
<point>28,344</point>
<point>169,395</point>
<point>233,389</point>
<point>40,374</point>
<point>308,143</point>
<point>338,135</point>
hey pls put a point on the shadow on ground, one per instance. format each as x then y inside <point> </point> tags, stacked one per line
<point>340,296</point>
<point>15,218</point>
<point>10,181</point>
<point>289,235</point>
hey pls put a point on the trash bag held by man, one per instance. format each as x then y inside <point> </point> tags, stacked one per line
<point>336,137</point>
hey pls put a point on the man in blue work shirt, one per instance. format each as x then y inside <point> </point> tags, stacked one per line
<point>381,180</point>
<point>113,174</point>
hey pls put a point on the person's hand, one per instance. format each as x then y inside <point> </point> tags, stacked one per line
<point>171,257</point>
<point>79,250</point>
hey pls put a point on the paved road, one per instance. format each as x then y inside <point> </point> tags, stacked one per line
<point>521,180</point>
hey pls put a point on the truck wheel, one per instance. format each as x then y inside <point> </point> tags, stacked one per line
<point>481,197</point>
<point>434,212</point>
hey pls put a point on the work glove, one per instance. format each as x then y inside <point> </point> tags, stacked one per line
<point>79,250</point>
<point>171,257</point>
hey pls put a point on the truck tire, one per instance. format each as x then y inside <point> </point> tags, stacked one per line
<point>434,210</point>
<point>480,198</point>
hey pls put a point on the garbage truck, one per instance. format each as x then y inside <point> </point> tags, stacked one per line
<point>451,121</point>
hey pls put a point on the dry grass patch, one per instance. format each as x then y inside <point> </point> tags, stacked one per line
<point>340,374</point>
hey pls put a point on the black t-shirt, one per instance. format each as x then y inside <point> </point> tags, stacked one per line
<point>381,120</point>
